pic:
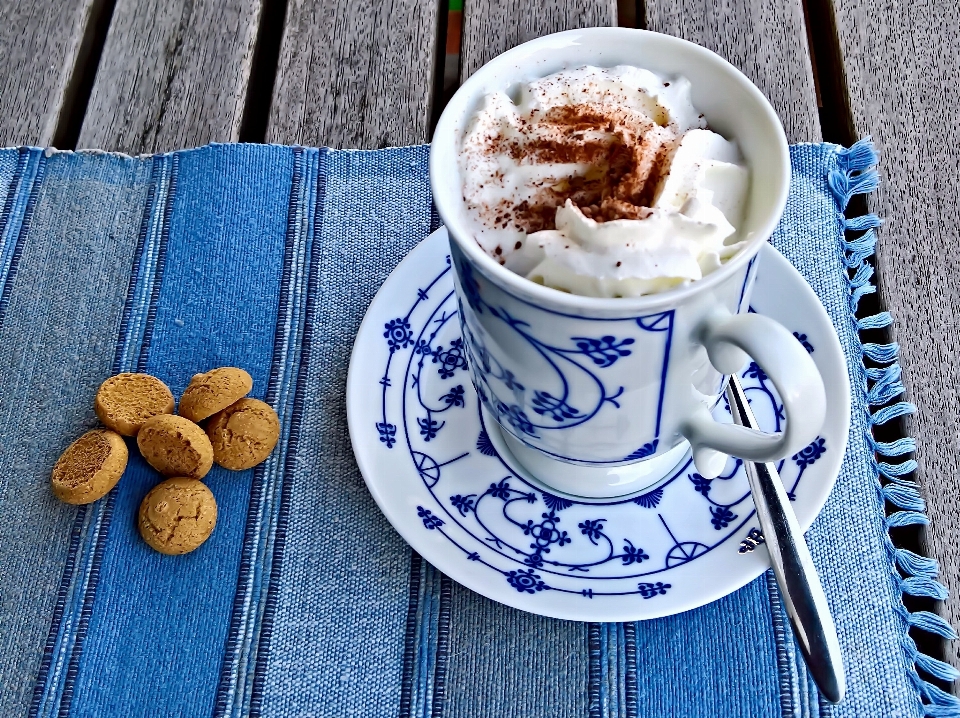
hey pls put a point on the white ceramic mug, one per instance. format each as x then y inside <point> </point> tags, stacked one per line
<point>597,396</point>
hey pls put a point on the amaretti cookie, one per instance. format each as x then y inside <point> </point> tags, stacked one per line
<point>125,401</point>
<point>177,515</point>
<point>243,434</point>
<point>90,467</point>
<point>175,446</point>
<point>214,390</point>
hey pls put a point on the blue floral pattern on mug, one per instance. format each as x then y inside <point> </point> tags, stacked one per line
<point>556,409</point>
<point>605,350</point>
<point>571,383</point>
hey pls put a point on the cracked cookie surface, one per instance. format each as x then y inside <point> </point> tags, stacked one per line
<point>243,434</point>
<point>214,390</point>
<point>125,401</point>
<point>175,446</point>
<point>177,516</point>
<point>90,467</point>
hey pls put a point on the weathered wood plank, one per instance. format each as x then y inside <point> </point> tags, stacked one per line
<point>900,63</point>
<point>355,74</point>
<point>764,39</point>
<point>40,46</point>
<point>491,27</point>
<point>172,74</point>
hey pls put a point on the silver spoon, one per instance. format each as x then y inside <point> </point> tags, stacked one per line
<point>796,575</point>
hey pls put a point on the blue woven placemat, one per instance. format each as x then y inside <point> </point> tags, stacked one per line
<point>305,602</point>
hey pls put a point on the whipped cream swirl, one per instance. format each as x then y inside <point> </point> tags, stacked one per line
<point>602,182</point>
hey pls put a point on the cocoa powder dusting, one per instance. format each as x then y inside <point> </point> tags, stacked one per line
<point>627,165</point>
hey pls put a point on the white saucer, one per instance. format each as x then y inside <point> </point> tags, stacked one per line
<point>425,450</point>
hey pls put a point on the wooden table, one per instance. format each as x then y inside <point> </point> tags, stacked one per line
<point>142,76</point>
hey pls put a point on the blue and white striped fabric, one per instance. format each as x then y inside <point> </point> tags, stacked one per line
<point>305,602</point>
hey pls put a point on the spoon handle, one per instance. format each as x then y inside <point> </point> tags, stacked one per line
<point>796,575</point>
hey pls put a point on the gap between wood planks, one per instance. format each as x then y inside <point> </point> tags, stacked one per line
<point>836,122</point>
<point>84,72</point>
<point>263,72</point>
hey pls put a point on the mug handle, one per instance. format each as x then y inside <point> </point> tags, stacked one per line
<point>729,339</point>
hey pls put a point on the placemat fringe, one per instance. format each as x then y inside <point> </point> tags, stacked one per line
<point>883,385</point>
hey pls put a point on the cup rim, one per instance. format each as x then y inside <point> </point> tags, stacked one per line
<point>445,140</point>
